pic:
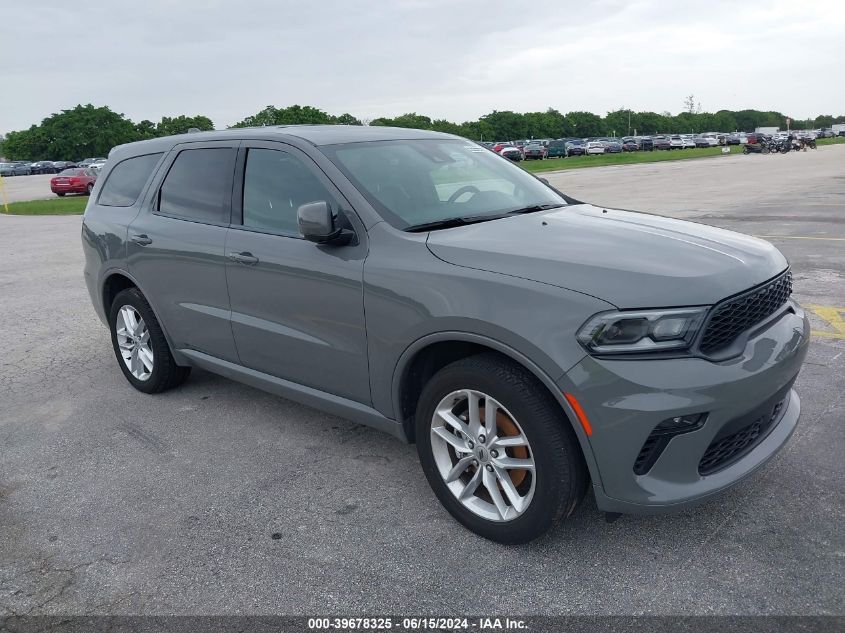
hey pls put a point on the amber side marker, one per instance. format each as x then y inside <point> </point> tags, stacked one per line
<point>579,411</point>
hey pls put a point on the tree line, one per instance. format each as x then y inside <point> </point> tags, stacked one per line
<point>88,131</point>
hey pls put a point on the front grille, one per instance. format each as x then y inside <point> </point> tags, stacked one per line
<point>725,451</point>
<point>736,315</point>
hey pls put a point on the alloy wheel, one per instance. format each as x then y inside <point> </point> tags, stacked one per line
<point>483,455</point>
<point>133,339</point>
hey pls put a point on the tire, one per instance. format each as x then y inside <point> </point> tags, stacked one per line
<point>552,490</point>
<point>61,194</point>
<point>165,373</point>
<point>89,189</point>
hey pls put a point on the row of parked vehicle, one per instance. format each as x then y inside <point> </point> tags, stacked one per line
<point>540,149</point>
<point>28,168</point>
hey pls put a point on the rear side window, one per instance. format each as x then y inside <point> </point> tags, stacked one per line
<point>275,185</point>
<point>199,185</point>
<point>126,181</point>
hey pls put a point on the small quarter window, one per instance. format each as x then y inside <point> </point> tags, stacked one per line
<point>127,180</point>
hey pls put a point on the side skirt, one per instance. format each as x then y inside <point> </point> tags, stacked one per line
<point>335,405</point>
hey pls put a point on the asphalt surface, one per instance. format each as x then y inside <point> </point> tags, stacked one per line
<point>23,188</point>
<point>219,499</point>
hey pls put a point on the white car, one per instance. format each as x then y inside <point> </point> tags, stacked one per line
<point>595,147</point>
<point>97,165</point>
<point>712,140</point>
<point>688,141</point>
<point>676,142</point>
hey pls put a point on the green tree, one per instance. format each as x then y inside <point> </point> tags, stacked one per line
<point>584,124</point>
<point>181,124</point>
<point>506,125</point>
<point>292,115</point>
<point>409,120</point>
<point>345,119</point>
<point>80,132</point>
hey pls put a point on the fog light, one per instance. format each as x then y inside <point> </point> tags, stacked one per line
<point>681,424</point>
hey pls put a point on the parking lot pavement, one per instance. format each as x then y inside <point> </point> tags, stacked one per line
<point>217,498</point>
<point>23,188</point>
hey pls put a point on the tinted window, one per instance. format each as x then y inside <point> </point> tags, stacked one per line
<point>126,181</point>
<point>275,185</point>
<point>198,185</point>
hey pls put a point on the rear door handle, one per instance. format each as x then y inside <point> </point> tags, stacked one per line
<point>244,258</point>
<point>142,240</point>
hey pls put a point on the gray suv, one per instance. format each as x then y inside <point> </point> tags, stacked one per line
<point>533,346</point>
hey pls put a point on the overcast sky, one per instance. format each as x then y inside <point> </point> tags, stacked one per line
<point>446,59</point>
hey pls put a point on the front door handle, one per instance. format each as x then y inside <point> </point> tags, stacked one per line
<point>142,240</point>
<point>244,258</point>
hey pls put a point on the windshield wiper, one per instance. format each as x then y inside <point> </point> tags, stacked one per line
<point>449,223</point>
<point>534,208</point>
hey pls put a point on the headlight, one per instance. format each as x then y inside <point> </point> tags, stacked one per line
<point>641,331</point>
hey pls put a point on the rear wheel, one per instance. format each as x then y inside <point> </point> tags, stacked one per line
<point>89,189</point>
<point>140,346</point>
<point>497,449</point>
<point>60,194</point>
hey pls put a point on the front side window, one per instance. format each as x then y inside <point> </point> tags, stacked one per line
<point>198,185</point>
<point>276,184</point>
<point>416,182</point>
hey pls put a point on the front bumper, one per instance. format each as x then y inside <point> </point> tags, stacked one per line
<point>626,399</point>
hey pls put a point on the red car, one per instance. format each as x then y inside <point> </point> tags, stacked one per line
<point>73,181</point>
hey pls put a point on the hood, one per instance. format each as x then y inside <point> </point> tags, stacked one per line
<point>632,260</point>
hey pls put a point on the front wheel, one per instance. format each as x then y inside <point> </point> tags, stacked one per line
<point>497,449</point>
<point>61,194</point>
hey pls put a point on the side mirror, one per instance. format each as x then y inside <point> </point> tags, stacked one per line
<point>317,224</point>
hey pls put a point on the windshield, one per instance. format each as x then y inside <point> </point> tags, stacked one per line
<point>414,182</point>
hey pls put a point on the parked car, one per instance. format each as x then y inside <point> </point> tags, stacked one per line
<point>645,143</point>
<point>73,181</point>
<point>576,147</point>
<point>688,141</point>
<point>661,142</point>
<point>88,161</point>
<point>700,141</point>
<point>513,153</point>
<point>594,147</point>
<point>42,167</point>
<point>756,137</point>
<point>534,151</point>
<point>499,146</point>
<point>612,145</point>
<point>531,345</point>
<point>61,165</point>
<point>629,144</point>
<point>557,149</point>
<point>97,165</point>
<point>17,168</point>
<point>676,141</point>
<point>7,169</point>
